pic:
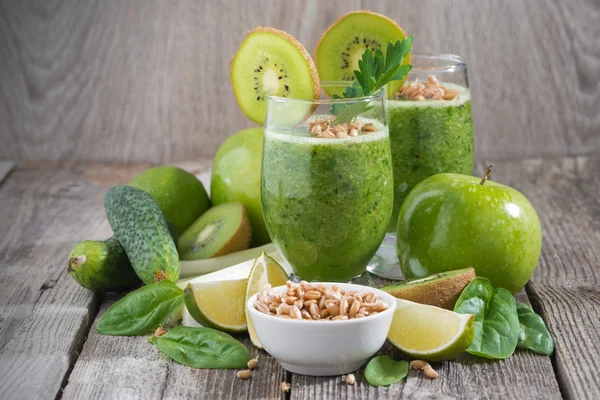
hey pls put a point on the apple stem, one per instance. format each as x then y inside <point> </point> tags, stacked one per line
<point>487,173</point>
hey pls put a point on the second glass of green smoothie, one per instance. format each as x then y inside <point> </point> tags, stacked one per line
<point>327,183</point>
<point>431,132</point>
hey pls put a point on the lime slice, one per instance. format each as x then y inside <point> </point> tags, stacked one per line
<point>430,333</point>
<point>265,270</point>
<point>218,305</point>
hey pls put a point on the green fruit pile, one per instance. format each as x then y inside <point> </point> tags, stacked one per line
<point>236,175</point>
<point>162,216</point>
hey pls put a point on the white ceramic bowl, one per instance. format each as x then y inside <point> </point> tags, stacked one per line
<point>323,348</point>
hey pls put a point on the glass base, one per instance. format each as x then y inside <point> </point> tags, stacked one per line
<point>385,262</point>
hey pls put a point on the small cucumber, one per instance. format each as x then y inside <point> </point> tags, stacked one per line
<point>102,266</point>
<point>142,230</point>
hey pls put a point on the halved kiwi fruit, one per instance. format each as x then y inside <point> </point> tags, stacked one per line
<point>440,290</point>
<point>221,230</point>
<point>272,61</point>
<point>345,41</point>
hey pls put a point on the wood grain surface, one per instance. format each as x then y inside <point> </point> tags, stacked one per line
<point>49,348</point>
<point>132,368</point>
<point>44,314</point>
<point>564,287</point>
<point>147,80</point>
<point>524,375</point>
<point>572,313</point>
<point>5,168</point>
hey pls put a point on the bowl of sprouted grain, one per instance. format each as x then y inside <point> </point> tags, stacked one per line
<point>321,328</point>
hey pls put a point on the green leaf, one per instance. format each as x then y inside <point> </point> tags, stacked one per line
<point>366,69</point>
<point>142,310</point>
<point>202,348</point>
<point>401,72</point>
<point>374,71</point>
<point>496,320</point>
<point>533,334</point>
<point>383,371</point>
<point>349,111</point>
<point>397,52</point>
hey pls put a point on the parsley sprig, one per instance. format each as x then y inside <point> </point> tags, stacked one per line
<point>374,72</point>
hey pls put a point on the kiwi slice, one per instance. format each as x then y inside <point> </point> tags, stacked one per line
<point>440,290</point>
<point>345,41</point>
<point>221,230</point>
<point>272,61</point>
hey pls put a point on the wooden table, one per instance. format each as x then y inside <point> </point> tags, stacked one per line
<point>49,348</point>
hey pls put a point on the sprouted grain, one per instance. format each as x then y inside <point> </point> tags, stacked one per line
<point>318,303</point>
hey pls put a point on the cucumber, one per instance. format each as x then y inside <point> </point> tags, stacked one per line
<point>142,230</point>
<point>102,266</point>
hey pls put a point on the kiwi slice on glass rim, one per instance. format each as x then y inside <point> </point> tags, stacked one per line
<point>345,41</point>
<point>270,61</point>
<point>221,230</point>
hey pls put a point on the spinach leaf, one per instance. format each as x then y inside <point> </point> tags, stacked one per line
<point>202,348</point>
<point>142,310</point>
<point>496,320</point>
<point>383,371</point>
<point>534,335</point>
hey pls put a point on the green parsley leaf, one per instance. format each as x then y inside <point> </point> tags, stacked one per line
<point>374,71</point>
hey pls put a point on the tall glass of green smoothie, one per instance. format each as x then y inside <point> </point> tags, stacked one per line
<point>327,184</point>
<point>431,132</point>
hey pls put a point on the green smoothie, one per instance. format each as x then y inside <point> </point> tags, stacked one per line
<point>327,202</point>
<point>427,138</point>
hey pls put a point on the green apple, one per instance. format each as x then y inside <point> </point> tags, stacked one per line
<point>452,221</point>
<point>236,175</point>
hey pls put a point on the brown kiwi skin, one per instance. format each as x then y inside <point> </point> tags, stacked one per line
<point>359,12</point>
<point>441,293</point>
<point>314,74</point>
<point>240,240</point>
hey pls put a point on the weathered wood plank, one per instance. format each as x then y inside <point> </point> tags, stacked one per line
<point>148,80</point>
<point>117,367</point>
<point>188,383</point>
<point>111,367</point>
<point>524,375</point>
<point>565,285</point>
<point>573,316</point>
<point>44,314</point>
<point>5,168</point>
<point>133,368</point>
<point>131,80</point>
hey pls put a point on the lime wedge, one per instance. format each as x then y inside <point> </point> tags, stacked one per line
<point>430,333</point>
<point>265,270</point>
<point>218,305</point>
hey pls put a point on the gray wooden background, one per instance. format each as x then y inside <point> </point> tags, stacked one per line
<point>147,80</point>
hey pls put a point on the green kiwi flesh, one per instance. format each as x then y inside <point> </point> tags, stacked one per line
<point>270,61</point>
<point>440,290</point>
<point>345,41</point>
<point>221,230</point>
